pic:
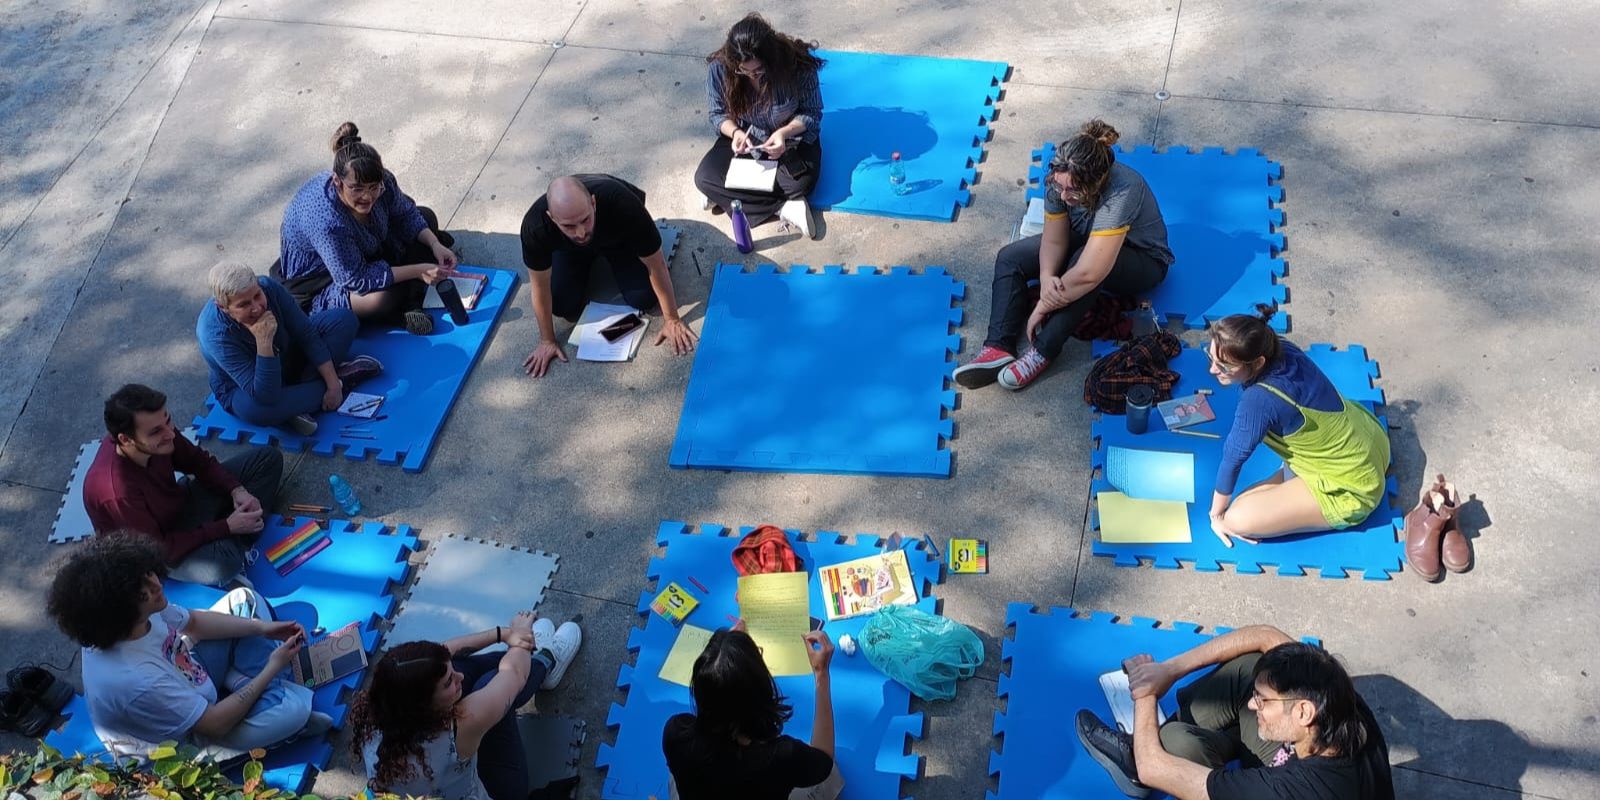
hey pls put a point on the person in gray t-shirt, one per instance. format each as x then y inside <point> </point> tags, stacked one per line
<point>1103,232</point>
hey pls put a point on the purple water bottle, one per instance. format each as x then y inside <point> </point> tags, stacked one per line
<point>741,228</point>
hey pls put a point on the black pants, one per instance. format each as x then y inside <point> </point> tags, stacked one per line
<point>797,173</point>
<point>216,563</point>
<point>569,280</point>
<point>502,764</point>
<point>1010,305</point>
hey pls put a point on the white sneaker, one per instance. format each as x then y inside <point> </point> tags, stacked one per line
<point>705,202</point>
<point>797,213</point>
<point>543,631</point>
<point>564,646</point>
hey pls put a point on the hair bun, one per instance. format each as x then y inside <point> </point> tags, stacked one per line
<point>346,135</point>
<point>1265,312</point>
<point>1101,131</point>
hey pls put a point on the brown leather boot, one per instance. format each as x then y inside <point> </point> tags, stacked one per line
<point>1424,528</point>
<point>1456,551</point>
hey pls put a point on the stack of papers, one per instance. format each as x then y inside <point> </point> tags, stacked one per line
<point>1033,220</point>
<point>1155,489</point>
<point>594,347</point>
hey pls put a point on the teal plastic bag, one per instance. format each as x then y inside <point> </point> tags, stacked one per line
<point>923,652</point>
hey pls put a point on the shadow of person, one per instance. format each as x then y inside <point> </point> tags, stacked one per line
<point>874,136</point>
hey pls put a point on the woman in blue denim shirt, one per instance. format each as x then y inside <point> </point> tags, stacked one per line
<point>764,101</point>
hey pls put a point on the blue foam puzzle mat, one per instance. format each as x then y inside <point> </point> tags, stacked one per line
<point>423,376</point>
<point>349,581</point>
<point>823,371</point>
<point>1221,225</point>
<point>1051,665</point>
<point>872,750</point>
<point>935,112</point>
<point>1372,548</point>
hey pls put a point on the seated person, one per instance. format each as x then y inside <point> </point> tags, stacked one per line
<point>351,239</point>
<point>1103,232</point>
<point>154,672</point>
<point>1334,450</point>
<point>1286,711</point>
<point>204,525</point>
<point>269,363</point>
<point>733,745</point>
<point>582,217</point>
<point>439,719</point>
<point>764,100</point>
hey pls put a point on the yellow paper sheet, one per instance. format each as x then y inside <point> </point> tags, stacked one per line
<point>679,666</point>
<point>776,611</point>
<point>1128,520</point>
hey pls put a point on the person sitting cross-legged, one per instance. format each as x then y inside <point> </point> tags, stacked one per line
<point>1285,710</point>
<point>271,364</point>
<point>155,672</point>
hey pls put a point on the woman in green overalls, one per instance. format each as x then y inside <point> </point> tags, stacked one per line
<point>1334,450</point>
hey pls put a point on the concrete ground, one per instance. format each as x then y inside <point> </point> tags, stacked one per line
<point>1437,166</point>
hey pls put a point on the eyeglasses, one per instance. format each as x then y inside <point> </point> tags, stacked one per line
<point>1256,696</point>
<point>1219,363</point>
<point>372,190</point>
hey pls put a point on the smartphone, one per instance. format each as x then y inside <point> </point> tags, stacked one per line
<point>621,327</point>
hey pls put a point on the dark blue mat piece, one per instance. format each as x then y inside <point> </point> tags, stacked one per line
<point>933,111</point>
<point>873,752</point>
<point>830,371</point>
<point>1221,225</point>
<point>1055,660</point>
<point>1372,548</point>
<point>349,581</point>
<point>422,378</point>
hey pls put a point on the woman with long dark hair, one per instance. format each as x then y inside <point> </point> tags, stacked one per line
<point>765,102</point>
<point>438,719</point>
<point>351,239</point>
<point>733,745</point>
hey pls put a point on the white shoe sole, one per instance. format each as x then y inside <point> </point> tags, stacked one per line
<point>564,646</point>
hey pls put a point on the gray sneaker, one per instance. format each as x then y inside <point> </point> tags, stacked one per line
<point>1113,750</point>
<point>304,425</point>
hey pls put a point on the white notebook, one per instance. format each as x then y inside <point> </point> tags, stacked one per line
<point>1115,685</point>
<point>751,174</point>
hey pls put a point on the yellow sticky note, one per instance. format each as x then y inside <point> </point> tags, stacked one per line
<point>776,611</point>
<point>679,666</point>
<point>1128,520</point>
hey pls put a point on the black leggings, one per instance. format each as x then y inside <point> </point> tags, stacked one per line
<point>1010,305</point>
<point>569,280</point>
<point>797,173</point>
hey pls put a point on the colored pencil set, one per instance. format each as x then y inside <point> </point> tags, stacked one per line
<point>298,547</point>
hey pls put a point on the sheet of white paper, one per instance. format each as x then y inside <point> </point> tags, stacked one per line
<point>361,405</point>
<point>752,174</point>
<point>1033,220</point>
<point>592,346</point>
<point>593,316</point>
<point>1115,685</point>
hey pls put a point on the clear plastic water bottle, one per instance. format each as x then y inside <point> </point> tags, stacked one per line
<point>897,174</point>
<point>741,228</point>
<point>1144,320</point>
<point>344,495</point>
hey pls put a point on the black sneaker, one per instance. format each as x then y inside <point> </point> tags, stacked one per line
<point>358,370</point>
<point>19,712</point>
<point>1113,750</point>
<point>419,323</point>
<point>47,690</point>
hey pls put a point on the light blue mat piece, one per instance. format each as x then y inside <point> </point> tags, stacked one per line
<point>349,581</point>
<point>1221,226</point>
<point>1055,660</point>
<point>1372,548</point>
<point>830,371</point>
<point>872,748</point>
<point>933,111</point>
<point>423,376</point>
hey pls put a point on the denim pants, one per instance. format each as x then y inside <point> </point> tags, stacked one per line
<point>280,712</point>
<point>302,388</point>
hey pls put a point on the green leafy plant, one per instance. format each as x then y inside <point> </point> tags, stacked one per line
<point>173,772</point>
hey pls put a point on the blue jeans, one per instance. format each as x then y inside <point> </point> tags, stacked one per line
<point>280,712</point>
<point>337,327</point>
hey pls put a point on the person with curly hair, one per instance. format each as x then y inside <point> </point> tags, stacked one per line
<point>438,719</point>
<point>765,102</point>
<point>155,672</point>
<point>734,745</point>
<point>1103,232</point>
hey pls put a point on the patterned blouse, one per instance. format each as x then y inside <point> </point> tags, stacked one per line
<point>321,235</point>
<point>805,103</point>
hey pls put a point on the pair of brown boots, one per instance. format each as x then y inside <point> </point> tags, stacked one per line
<point>1432,538</point>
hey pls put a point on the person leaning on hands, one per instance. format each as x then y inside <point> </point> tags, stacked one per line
<point>580,218</point>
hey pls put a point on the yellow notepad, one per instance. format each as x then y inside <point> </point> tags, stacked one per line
<point>1127,520</point>
<point>776,611</point>
<point>679,666</point>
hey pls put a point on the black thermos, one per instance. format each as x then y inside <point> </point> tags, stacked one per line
<point>451,297</point>
<point>1140,398</point>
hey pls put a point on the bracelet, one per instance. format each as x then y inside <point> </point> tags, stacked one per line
<point>497,638</point>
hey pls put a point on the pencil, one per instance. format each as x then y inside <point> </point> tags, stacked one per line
<point>1201,434</point>
<point>316,509</point>
<point>699,585</point>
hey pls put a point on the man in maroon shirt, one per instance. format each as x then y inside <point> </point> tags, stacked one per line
<point>205,525</point>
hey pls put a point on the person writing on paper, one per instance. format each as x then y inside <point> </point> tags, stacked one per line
<point>765,101</point>
<point>1103,232</point>
<point>1335,451</point>
<point>1285,710</point>
<point>270,364</point>
<point>733,745</point>
<point>580,218</point>
<point>351,239</point>
<point>439,719</point>
<point>205,525</point>
<point>155,672</point>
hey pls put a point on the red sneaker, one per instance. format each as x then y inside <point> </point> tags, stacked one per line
<point>981,371</point>
<point>1024,370</point>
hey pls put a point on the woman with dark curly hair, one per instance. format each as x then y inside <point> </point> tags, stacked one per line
<point>733,745</point>
<point>1103,232</point>
<point>421,734</point>
<point>765,102</point>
